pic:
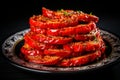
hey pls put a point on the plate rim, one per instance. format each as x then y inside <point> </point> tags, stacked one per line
<point>49,71</point>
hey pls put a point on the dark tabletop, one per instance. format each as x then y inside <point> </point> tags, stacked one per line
<point>15,18</point>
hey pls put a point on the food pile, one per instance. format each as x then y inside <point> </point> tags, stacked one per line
<point>63,38</point>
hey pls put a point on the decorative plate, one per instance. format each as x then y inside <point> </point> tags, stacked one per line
<point>11,49</point>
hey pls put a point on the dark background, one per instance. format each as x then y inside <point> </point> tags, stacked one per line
<point>14,18</point>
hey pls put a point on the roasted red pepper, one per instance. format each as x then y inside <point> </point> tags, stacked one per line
<point>37,56</point>
<point>87,37</point>
<point>58,52</point>
<point>79,29</point>
<point>81,16</point>
<point>27,50</point>
<point>82,47</point>
<point>36,44</point>
<point>81,60</point>
<point>44,60</point>
<point>51,39</point>
<point>43,22</point>
<point>63,38</point>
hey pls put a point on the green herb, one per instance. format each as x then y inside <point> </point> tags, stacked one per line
<point>91,13</point>
<point>79,11</point>
<point>62,10</point>
<point>66,13</point>
<point>95,38</point>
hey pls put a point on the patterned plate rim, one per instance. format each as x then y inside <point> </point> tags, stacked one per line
<point>10,43</point>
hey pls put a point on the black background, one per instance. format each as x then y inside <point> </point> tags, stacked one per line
<point>14,18</point>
